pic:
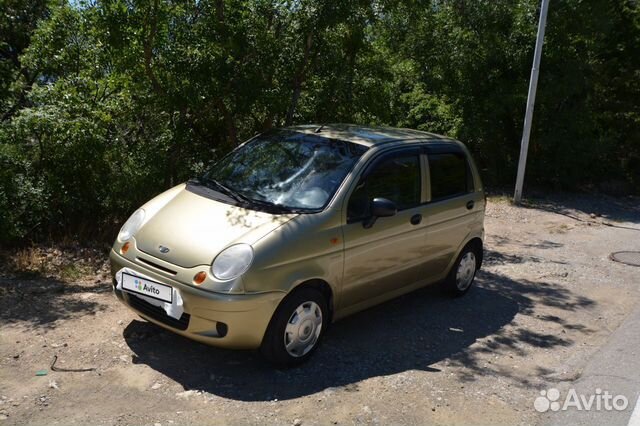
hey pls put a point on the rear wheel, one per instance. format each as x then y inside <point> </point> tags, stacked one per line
<point>296,328</point>
<point>463,272</point>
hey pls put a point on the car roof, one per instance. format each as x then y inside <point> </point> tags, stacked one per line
<point>369,136</point>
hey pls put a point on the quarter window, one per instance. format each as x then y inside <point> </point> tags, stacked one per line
<point>450,175</point>
<point>396,178</point>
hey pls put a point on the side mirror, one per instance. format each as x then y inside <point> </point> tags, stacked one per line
<point>380,207</point>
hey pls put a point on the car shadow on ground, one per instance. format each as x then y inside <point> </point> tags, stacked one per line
<point>412,332</point>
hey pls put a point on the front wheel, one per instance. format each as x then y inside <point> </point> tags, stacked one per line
<point>296,328</point>
<point>461,276</point>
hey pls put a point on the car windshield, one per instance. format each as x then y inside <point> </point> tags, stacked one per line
<point>286,169</point>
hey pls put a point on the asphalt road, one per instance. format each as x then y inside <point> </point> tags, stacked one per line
<point>615,368</point>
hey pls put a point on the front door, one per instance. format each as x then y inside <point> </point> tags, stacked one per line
<point>388,255</point>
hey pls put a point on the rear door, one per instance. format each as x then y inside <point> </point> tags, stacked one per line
<point>452,207</point>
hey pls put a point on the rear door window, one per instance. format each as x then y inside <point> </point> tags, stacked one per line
<point>450,175</point>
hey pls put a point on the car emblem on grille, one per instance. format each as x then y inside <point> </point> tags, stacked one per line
<point>164,249</point>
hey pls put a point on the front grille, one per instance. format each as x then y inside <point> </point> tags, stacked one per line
<point>158,314</point>
<point>155,265</point>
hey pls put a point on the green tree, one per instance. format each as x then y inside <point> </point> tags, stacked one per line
<point>104,103</point>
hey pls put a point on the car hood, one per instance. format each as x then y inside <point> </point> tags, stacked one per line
<point>195,229</point>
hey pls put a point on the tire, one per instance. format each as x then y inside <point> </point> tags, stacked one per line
<point>296,328</point>
<point>463,272</point>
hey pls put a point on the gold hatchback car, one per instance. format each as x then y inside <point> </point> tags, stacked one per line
<point>299,227</point>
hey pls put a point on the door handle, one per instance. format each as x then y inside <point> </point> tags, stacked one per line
<point>416,219</point>
<point>470,205</point>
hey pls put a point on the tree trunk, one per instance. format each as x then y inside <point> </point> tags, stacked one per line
<point>148,48</point>
<point>298,80</point>
<point>229,123</point>
<point>220,11</point>
<point>351,61</point>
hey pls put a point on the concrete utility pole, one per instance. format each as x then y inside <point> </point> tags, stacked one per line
<point>531,100</point>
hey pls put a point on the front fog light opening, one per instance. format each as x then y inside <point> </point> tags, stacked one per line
<point>221,329</point>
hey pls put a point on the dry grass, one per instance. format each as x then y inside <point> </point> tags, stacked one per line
<point>58,262</point>
<point>500,199</point>
<point>27,260</point>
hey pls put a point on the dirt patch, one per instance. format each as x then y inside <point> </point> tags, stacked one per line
<point>547,297</point>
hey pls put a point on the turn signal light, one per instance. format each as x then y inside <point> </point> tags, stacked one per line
<point>199,278</point>
<point>125,248</point>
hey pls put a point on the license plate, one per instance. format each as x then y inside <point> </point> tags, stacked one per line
<point>146,287</point>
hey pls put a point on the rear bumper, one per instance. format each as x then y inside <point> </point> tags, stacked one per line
<point>229,321</point>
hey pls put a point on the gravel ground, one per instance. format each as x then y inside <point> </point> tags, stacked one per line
<point>547,298</point>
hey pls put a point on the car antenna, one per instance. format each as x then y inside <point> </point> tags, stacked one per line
<point>319,129</point>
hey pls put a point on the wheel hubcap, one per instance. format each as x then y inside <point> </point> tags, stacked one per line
<point>466,271</point>
<point>303,329</point>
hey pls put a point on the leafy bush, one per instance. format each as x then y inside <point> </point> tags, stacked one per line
<point>106,103</point>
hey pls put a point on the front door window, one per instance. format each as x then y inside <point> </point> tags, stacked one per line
<point>396,178</point>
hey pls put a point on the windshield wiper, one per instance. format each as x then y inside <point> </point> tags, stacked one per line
<point>235,194</point>
<point>226,190</point>
<point>277,208</point>
<point>243,199</point>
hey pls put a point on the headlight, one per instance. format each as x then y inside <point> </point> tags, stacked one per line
<point>232,262</point>
<point>131,226</point>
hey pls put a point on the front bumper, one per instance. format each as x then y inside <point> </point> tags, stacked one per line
<point>237,321</point>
